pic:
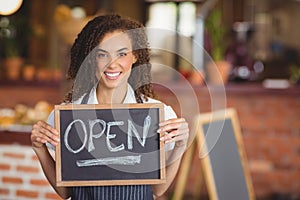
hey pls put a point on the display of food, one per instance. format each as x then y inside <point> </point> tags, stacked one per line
<point>22,117</point>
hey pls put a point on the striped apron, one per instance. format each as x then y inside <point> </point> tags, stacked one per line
<point>120,192</point>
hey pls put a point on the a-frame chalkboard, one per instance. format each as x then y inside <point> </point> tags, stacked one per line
<point>114,144</point>
<point>223,157</point>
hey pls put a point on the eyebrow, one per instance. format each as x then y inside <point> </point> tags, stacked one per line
<point>122,49</point>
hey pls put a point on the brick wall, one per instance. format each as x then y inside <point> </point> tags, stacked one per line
<point>271,131</point>
<point>270,123</point>
<point>21,176</point>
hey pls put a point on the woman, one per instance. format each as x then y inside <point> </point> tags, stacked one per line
<point>110,64</point>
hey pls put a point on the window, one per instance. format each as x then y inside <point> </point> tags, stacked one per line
<point>171,25</point>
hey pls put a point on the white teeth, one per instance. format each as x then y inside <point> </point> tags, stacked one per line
<point>112,74</point>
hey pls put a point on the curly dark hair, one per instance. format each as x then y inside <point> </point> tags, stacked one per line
<point>82,68</point>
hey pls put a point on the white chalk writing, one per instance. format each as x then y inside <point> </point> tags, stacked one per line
<point>92,123</point>
<point>88,137</point>
<point>111,136</point>
<point>67,135</point>
<point>124,160</point>
<point>132,129</point>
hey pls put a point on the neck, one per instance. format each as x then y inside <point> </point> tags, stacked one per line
<point>111,96</point>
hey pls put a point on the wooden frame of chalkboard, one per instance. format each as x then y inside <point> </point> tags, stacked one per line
<point>112,144</point>
<point>222,155</point>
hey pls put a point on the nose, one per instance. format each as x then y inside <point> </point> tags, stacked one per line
<point>113,62</point>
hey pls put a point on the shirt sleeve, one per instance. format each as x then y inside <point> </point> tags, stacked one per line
<point>50,121</point>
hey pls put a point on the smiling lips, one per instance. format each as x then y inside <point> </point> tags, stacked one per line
<point>112,75</point>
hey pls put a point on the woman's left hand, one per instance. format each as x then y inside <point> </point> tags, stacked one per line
<point>177,131</point>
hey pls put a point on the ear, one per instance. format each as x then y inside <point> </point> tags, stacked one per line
<point>134,59</point>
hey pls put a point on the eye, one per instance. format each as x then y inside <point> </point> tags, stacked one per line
<point>122,54</point>
<point>102,55</point>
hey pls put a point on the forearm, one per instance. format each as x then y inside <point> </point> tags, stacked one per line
<point>48,166</point>
<point>177,131</point>
<point>173,163</point>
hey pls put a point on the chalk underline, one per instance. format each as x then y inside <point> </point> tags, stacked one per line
<point>123,160</point>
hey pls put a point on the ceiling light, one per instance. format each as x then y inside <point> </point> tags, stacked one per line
<point>8,7</point>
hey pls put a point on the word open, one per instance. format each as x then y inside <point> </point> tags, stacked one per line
<point>89,134</point>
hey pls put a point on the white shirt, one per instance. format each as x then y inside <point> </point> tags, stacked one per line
<point>129,98</point>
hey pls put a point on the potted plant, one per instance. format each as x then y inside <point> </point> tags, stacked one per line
<point>219,69</point>
<point>295,74</point>
<point>13,61</point>
<point>13,38</point>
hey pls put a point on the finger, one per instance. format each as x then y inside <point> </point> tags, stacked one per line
<point>48,130</point>
<point>183,133</point>
<point>35,142</point>
<point>45,139</point>
<point>174,120</point>
<point>173,126</point>
<point>38,137</point>
<point>49,134</point>
<point>179,139</point>
<point>48,127</point>
<point>43,133</point>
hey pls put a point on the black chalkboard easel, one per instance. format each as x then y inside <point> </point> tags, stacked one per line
<point>222,155</point>
<point>115,144</point>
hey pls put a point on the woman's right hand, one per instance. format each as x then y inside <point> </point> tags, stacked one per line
<point>42,133</point>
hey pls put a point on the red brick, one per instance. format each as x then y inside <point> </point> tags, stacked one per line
<point>28,169</point>
<point>14,180</point>
<point>296,144</point>
<point>295,124</point>
<point>14,155</point>
<point>285,162</point>
<point>274,122</point>
<point>284,148</point>
<point>251,122</point>
<point>4,191</point>
<point>34,157</point>
<point>280,180</point>
<point>4,167</point>
<point>52,196</point>
<point>27,193</point>
<point>39,182</point>
<point>251,147</point>
<point>261,189</point>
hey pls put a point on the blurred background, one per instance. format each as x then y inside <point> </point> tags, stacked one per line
<point>255,48</point>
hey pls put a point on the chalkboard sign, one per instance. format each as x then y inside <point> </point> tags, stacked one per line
<point>222,155</point>
<point>109,145</point>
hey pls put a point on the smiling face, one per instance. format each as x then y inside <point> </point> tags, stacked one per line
<point>114,59</point>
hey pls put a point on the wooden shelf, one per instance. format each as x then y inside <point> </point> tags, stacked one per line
<point>21,138</point>
<point>33,83</point>
<point>235,88</point>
